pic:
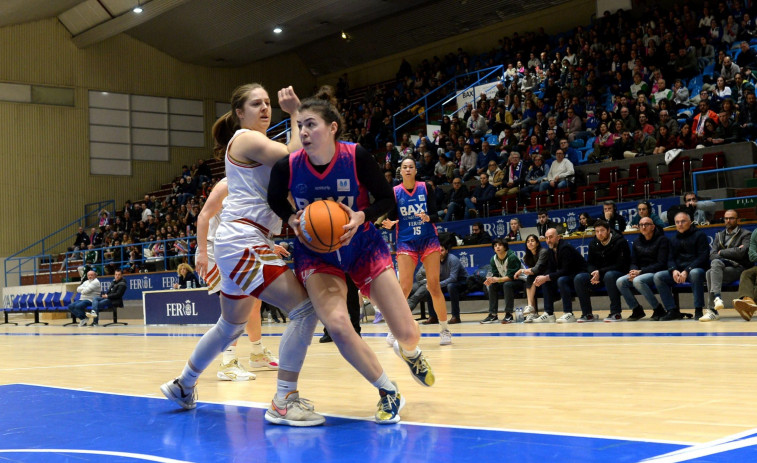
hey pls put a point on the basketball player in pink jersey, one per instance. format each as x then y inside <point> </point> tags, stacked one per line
<point>417,239</point>
<point>328,169</point>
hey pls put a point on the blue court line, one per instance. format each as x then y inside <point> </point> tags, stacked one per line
<point>39,418</point>
<point>734,334</point>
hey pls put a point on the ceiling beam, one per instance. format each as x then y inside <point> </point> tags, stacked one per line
<point>124,22</point>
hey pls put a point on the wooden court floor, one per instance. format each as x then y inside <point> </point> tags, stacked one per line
<point>677,381</point>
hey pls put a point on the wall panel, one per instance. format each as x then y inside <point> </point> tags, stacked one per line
<point>45,149</point>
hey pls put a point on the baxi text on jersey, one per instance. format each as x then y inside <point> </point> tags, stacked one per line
<point>178,309</point>
<point>412,209</point>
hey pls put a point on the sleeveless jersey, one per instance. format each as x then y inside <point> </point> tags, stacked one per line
<point>338,182</point>
<point>410,227</point>
<point>248,192</point>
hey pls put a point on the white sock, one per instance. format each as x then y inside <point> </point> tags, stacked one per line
<point>284,387</point>
<point>229,354</point>
<point>188,377</point>
<point>257,347</point>
<point>384,383</point>
<point>411,354</point>
<point>443,325</point>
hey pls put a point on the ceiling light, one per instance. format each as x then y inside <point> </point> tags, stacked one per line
<point>137,9</point>
<point>344,35</point>
<point>277,30</point>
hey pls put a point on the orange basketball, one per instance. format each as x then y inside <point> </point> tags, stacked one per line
<point>321,224</point>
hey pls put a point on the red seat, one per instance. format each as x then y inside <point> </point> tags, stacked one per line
<point>638,170</point>
<point>680,165</point>
<point>510,203</point>
<point>584,196</point>
<point>671,183</point>
<point>640,188</point>
<point>605,176</point>
<point>616,192</point>
<point>710,161</point>
<point>538,200</point>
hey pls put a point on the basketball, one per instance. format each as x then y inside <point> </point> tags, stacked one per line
<point>321,224</point>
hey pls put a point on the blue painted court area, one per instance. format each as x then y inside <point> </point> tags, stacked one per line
<point>42,424</point>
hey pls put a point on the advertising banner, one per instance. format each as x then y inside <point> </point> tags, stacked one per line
<point>180,307</point>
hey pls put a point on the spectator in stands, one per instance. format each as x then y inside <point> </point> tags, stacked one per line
<point>747,58</point>
<point>610,214</point>
<point>662,93</point>
<point>680,95</point>
<point>638,86</point>
<point>515,172</point>
<point>623,147</point>
<point>456,204</point>
<point>426,166</point>
<point>146,213</point>
<point>748,116</point>
<point>536,174</point>
<point>729,70</point>
<point>686,63</point>
<point>667,121</point>
<point>729,257</point>
<point>629,123</point>
<point>688,260</point>
<point>91,257</point>
<point>468,163</point>
<point>645,209</point>
<point>544,223</point>
<point>609,259</point>
<point>476,123</point>
<point>203,172</point>
<point>536,259</point>
<point>95,237</point>
<point>649,256</point>
<point>643,143</point>
<point>392,157</point>
<point>113,298</point>
<point>89,289</point>
<point>560,173</point>
<point>565,262</point>
<point>81,241</point>
<point>187,277</point>
<point>514,233</point>
<point>572,125</point>
<point>477,235</point>
<point>476,205</point>
<point>504,264</point>
<point>496,177</point>
<point>665,141</point>
<point>444,170</point>
<point>645,126</point>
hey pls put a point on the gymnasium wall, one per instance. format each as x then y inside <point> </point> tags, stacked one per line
<point>44,148</point>
<point>556,19</point>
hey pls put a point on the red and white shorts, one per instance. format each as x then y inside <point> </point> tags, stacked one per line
<point>245,258</point>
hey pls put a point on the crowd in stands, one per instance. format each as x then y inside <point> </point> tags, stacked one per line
<point>149,235</point>
<point>635,83</point>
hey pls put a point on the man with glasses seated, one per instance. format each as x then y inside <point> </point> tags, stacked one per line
<point>728,258</point>
<point>688,261</point>
<point>649,256</point>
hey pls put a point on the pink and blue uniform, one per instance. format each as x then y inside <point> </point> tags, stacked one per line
<point>415,238</point>
<point>367,255</point>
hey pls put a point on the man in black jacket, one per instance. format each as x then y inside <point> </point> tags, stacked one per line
<point>688,261</point>
<point>650,255</point>
<point>113,298</point>
<point>565,262</point>
<point>609,259</point>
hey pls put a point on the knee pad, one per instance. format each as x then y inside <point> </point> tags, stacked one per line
<point>297,337</point>
<point>229,331</point>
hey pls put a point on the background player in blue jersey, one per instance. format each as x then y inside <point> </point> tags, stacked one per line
<point>328,169</point>
<point>417,240</point>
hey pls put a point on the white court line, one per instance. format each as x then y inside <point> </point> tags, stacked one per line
<point>136,456</point>
<point>703,450</point>
<point>415,423</point>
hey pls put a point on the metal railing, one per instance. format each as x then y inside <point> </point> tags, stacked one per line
<point>107,260</point>
<point>55,241</point>
<point>427,114</point>
<point>722,170</point>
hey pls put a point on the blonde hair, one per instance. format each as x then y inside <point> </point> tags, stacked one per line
<point>183,266</point>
